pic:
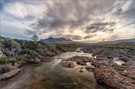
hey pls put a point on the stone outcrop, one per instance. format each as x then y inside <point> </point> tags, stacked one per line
<point>109,71</point>
<point>115,76</point>
<point>9,74</point>
<point>103,53</point>
<point>81,60</point>
<point>36,60</point>
<point>89,68</point>
<point>81,70</point>
<point>69,64</point>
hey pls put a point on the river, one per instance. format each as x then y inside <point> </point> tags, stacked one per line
<point>52,75</point>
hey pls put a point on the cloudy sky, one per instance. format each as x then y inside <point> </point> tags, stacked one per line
<point>79,20</point>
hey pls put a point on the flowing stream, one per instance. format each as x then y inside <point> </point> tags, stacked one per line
<point>52,75</point>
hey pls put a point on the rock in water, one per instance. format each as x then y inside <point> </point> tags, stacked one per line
<point>36,60</point>
<point>69,64</point>
<point>80,60</point>
<point>9,74</point>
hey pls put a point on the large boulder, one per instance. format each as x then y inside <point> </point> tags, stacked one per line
<point>36,60</point>
<point>8,67</point>
<point>69,64</point>
<point>113,78</point>
<point>9,74</point>
<point>89,68</point>
<point>124,58</point>
<point>80,60</point>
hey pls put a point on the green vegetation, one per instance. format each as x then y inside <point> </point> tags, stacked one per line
<point>10,44</point>
<point>4,60</point>
<point>22,50</point>
<point>35,37</point>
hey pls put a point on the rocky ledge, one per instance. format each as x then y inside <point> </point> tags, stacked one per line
<point>84,63</point>
<point>69,64</point>
<point>114,67</point>
<point>115,76</point>
<point>80,60</point>
<point>9,74</point>
<point>9,70</point>
<point>107,71</point>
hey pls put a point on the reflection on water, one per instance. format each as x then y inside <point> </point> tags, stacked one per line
<point>71,54</point>
<point>45,77</point>
<point>118,62</point>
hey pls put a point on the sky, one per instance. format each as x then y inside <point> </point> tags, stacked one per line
<point>78,20</point>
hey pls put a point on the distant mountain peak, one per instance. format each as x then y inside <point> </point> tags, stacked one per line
<point>55,40</point>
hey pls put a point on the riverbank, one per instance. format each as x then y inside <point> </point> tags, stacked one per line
<point>13,70</point>
<point>44,76</point>
<point>114,67</point>
<point>15,53</point>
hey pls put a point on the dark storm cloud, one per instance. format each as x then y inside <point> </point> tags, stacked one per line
<point>74,14</point>
<point>100,26</point>
<point>77,19</point>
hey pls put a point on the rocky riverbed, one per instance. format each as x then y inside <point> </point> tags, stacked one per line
<point>98,68</point>
<point>113,67</point>
<point>118,77</point>
<point>52,75</point>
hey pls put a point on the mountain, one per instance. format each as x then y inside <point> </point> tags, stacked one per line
<point>55,40</point>
<point>119,41</point>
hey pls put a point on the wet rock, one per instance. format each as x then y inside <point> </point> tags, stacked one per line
<point>124,58</point>
<point>9,74</point>
<point>69,64</point>
<point>80,60</point>
<point>36,60</point>
<point>115,76</point>
<point>41,58</point>
<point>118,74</point>
<point>101,63</point>
<point>81,70</point>
<point>89,68</point>
<point>7,67</point>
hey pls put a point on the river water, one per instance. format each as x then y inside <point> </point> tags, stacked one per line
<point>52,75</point>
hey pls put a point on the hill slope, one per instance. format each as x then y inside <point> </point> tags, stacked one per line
<point>119,41</point>
<point>55,40</point>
